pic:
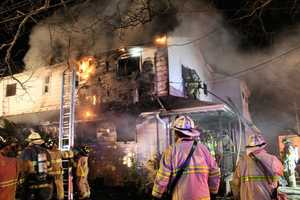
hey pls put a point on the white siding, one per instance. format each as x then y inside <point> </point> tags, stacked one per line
<point>183,49</point>
<point>33,99</point>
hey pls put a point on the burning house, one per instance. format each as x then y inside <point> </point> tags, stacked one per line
<point>125,100</point>
<point>127,97</point>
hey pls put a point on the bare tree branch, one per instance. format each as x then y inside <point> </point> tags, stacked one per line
<point>16,36</point>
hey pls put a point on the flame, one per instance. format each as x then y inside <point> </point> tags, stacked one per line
<point>161,40</point>
<point>88,114</point>
<point>86,67</point>
<point>94,100</point>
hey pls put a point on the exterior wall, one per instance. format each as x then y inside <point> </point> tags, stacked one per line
<point>229,88</point>
<point>105,85</point>
<point>152,139</point>
<point>33,99</point>
<point>122,91</point>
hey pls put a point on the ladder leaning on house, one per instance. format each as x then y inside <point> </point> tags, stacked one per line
<point>66,127</point>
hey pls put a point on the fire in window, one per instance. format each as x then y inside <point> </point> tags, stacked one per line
<point>11,90</point>
<point>46,85</point>
<point>127,66</point>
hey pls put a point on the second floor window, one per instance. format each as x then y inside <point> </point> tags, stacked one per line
<point>11,90</point>
<point>46,85</point>
<point>127,66</point>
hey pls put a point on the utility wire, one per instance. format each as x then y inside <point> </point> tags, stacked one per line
<point>258,66</point>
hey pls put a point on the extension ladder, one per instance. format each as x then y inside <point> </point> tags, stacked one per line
<point>66,127</point>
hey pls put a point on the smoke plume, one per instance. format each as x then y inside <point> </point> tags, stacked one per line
<point>95,27</point>
<point>271,71</point>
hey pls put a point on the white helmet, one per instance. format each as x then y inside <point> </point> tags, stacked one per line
<point>185,125</point>
<point>35,138</point>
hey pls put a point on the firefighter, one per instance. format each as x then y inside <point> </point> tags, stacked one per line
<point>290,160</point>
<point>201,177</point>
<point>10,168</point>
<point>57,170</point>
<point>257,173</point>
<point>225,159</point>
<point>151,167</point>
<point>81,172</point>
<point>38,181</point>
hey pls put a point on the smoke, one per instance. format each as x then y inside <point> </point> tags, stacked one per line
<point>270,71</point>
<point>95,27</point>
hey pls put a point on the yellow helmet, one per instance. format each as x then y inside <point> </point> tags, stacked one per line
<point>35,138</point>
<point>256,140</point>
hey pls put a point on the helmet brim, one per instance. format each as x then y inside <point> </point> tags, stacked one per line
<point>37,141</point>
<point>191,133</point>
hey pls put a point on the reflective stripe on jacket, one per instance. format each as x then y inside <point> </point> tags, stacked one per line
<point>201,176</point>
<point>57,172</point>
<point>9,172</point>
<point>56,162</point>
<point>82,171</point>
<point>250,182</point>
<point>82,168</point>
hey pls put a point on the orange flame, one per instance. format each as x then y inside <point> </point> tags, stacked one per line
<point>86,67</point>
<point>161,40</point>
<point>94,100</point>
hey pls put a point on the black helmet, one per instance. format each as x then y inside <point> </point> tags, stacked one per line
<point>85,150</point>
<point>49,143</point>
<point>3,142</point>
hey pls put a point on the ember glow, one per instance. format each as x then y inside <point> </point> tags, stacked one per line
<point>86,67</point>
<point>89,114</point>
<point>94,100</point>
<point>161,40</point>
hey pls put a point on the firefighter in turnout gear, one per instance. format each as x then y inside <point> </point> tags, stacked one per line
<point>81,172</point>
<point>57,169</point>
<point>10,169</point>
<point>38,181</point>
<point>257,173</point>
<point>290,160</point>
<point>201,177</point>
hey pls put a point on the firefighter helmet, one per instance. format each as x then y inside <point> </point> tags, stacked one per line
<point>185,125</point>
<point>35,138</point>
<point>49,144</point>
<point>287,141</point>
<point>85,150</point>
<point>3,142</point>
<point>256,140</point>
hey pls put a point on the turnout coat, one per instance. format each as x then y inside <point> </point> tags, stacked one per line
<point>200,178</point>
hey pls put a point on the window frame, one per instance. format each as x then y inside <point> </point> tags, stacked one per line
<point>138,69</point>
<point>46,84</point>
<point>13,90</point>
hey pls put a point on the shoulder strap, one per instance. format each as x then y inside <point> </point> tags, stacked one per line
<point>182,168</point>
<point>262,167</point>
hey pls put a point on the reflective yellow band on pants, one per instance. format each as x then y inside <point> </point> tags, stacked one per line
<point>258,178</point>
<point>39,186</point>
<point>8,183</point>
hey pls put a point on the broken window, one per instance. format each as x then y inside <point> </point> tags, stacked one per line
<point>46,85</point>
<point>11,90</point>
<point>127,66</point>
